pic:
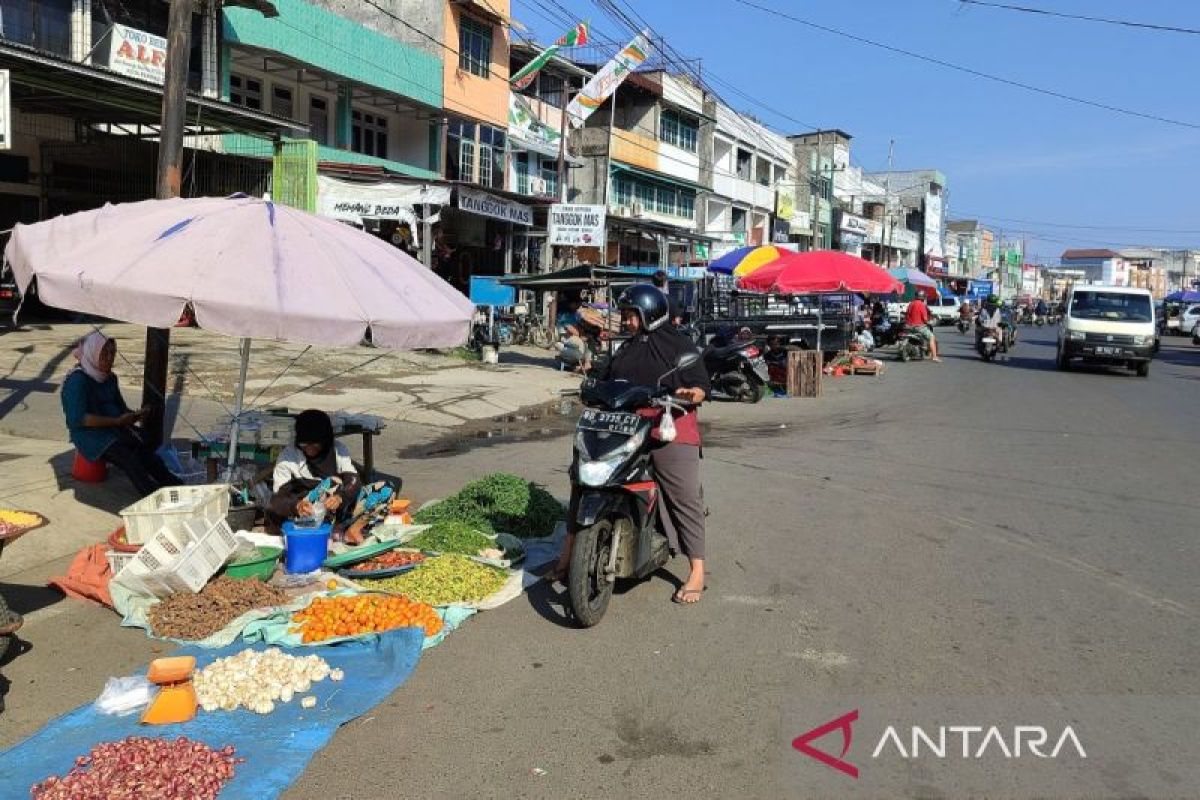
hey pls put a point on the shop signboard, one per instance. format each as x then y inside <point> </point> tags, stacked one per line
<point>978,290</point>
<point>137,54</point>
<point>577,225</point>
<point>854,224</point>
<point>488,205</point>
<point>5,111</point>
<point>785,202</point>
<point>933,225</point>
<point>901,239</point>
<point>701,251</point>
<point>354,202</point>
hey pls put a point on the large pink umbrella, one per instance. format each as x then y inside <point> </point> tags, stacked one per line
<point>820,271</point>
<point>247,267</point>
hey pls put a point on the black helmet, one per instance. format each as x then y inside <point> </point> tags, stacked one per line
<point>650,304</point>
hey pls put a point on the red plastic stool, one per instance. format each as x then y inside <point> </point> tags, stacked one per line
<point>89,471</point>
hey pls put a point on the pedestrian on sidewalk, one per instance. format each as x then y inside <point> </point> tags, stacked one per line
<point>101,424</point>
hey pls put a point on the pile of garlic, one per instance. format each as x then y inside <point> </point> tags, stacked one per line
<point>255,679</point>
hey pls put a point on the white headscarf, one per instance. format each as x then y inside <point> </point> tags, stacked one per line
<point>88,355</point>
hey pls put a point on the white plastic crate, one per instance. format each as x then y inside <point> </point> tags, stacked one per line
<point>181,557</point>
<point>147,516</point>
<point>117,560</point>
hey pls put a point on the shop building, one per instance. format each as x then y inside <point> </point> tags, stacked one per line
<point>746,165</point>
<point>642,162</point>
<point>820,157</point>
<point>1097,265</point>
<point>920,196</point>
<point>86,96</point>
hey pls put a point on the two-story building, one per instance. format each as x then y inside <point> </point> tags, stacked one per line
<point>86,96</point>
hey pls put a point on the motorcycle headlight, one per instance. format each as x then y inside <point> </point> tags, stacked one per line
<point>1077,336</point>
<point>597,472</point>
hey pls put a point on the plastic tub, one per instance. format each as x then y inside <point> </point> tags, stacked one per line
<point>307,547</point>
<point>261,565</point>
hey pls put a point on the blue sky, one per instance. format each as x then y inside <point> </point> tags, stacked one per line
<point>1008,154</point>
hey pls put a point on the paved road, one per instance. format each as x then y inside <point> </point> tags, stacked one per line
<point>966,529</point>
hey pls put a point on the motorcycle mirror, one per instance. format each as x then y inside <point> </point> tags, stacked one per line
<point>687,359</point>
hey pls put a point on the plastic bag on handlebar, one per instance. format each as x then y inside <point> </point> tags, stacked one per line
<point>666,428</point>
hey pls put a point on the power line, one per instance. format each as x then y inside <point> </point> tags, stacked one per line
<point>1064,15</point>
<point>1113,227</point>
<point>969,70</point>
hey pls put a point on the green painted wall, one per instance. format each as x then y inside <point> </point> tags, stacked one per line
<point>241,144</point>
<point>337,45</point>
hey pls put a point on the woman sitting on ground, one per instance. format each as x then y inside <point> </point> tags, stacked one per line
<point>318,471</point>
<point>101,424</point>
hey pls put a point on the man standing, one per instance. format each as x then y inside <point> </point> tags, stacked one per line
<point>916,319</point>
<point>659,279</point>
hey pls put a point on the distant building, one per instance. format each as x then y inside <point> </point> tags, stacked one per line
<point>1098,266</point>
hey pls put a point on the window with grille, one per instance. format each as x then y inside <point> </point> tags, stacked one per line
<point>474,47</point>
<point>368,134</point>
<point>666,200</point>
<point>491,157</point>
<point>246,92</point>
<point>623,191</point>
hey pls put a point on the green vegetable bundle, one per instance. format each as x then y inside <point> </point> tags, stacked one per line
<point>451,536</point>
<point>444,580</point>
<point>455,509</point>
<point>510,504</point>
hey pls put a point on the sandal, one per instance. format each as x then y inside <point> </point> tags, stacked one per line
<point>680,597</point>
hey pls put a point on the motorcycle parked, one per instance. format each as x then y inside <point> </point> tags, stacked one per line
<point>912,346</point>
<point>618,497</point>
<point>737,372</point>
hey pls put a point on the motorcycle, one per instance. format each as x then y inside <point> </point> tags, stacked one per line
<point>1039,320</point>
<point>912,346</point>
<point>989,345</point>
<point>737,372</point>
<point>618,497</point>
<point>963,324</point>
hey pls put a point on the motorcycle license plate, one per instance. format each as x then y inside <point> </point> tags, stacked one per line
<point>609,421</point>
<point>988,340</point>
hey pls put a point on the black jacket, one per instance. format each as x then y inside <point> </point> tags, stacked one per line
<point>644,359</point>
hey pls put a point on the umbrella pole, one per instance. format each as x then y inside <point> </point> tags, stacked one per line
<point>235,429</point>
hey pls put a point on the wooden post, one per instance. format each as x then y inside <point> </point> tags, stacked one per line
<point>804,373</point>
<point>170,178</point>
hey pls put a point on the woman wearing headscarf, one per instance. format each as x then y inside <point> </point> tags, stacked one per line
<point>318,471</point>
<point>102,426</point>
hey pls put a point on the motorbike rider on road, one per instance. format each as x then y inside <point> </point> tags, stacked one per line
<point>988,322</point>
<point>917,319</point>
<point>653,349</point>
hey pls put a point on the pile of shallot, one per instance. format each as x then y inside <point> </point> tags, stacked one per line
<point>141,767</point>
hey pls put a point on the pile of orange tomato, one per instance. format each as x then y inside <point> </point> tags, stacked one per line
<point>354,615</point>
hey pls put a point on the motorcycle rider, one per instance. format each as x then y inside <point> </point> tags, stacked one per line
<point>965,312</point>
<point>1040,309</point>
<point>917,320</point>
<point>653,350</point>
<point>988,321</point>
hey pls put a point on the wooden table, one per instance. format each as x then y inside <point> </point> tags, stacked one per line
<point>266,454</point>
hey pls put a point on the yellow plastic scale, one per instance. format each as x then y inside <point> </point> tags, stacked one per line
<point>176,700</point>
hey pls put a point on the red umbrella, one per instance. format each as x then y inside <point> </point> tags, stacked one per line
<point>820,271</point>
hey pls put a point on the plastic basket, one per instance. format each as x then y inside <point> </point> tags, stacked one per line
<point>117,560</point>
<point>172,504</point>
<point>181,557</point>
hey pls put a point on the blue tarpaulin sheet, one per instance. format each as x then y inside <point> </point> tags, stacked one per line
<point>277,746</point>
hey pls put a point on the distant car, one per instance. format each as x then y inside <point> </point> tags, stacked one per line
<point>1188,318</point>
<point>10,298</point>
<point>944,310</point>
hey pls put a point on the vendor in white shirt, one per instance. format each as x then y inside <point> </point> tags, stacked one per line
<point>318,470</point>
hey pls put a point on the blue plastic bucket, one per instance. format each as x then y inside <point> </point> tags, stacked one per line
<point>307,547</point>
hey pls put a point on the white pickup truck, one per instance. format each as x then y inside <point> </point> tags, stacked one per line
<point>944,310</point>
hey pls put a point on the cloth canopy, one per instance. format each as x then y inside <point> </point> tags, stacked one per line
<point>820,271</point>
<point>1186,296</point>
<point>919,281</point>
<point>745,260</point>
<point>248,268</point>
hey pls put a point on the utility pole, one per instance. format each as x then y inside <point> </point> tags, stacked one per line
<point>814,191</point>
<point>888,222</point>
<point>170,176</point>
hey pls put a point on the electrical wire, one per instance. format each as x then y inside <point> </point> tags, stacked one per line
<point>969,70</point>
<point>1064,15</point>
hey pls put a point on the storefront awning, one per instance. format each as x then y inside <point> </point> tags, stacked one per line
<point>45,83</point>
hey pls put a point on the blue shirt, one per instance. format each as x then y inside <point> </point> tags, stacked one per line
<point>82,396</point>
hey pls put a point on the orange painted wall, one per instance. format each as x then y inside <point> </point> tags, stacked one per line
<point>484,99</point>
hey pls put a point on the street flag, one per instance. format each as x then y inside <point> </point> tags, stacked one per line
<point>606,81</point>
<point>576,37</point>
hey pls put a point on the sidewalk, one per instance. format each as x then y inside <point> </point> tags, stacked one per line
<point>422,396</point>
